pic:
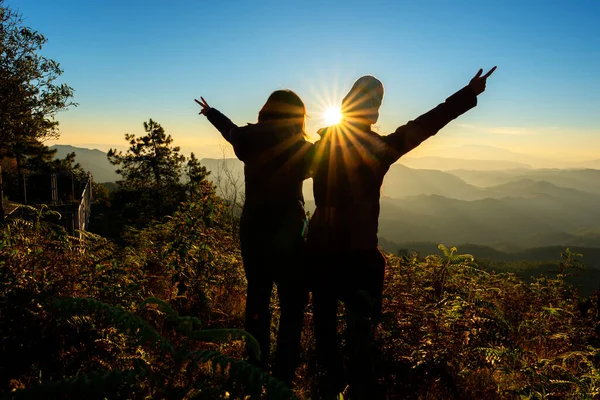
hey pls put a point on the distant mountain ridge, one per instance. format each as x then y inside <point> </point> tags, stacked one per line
<point>528,187</point>
<point>502,223</point>
<point>587,180</point>
<point>92,160</point>
<point>443,158</point>
<point>504,209</point>
<point>402,181</point>
<point>448,164</point>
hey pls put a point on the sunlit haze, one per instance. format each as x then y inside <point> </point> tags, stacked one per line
<point>131,61</point>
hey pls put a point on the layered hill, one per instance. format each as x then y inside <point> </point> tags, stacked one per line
<point>91,160</point>
<point>507,209</point>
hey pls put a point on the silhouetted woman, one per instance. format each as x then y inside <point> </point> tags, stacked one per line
<point>350,163</point>
<point>276,159</point>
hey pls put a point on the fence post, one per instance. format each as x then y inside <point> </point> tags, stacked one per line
<point>72,187</point>
<point>2,213</point>
<point>88,205</point>
<point>24,187</point>
<point>54,189</point>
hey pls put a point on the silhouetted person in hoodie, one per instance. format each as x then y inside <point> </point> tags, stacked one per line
<point>350,163</point>
<point>276,160</point>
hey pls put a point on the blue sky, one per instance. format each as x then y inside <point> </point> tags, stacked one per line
<point>129,61</point>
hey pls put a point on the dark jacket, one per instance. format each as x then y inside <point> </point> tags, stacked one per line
<point>350,164</point>
<point>276,162</point>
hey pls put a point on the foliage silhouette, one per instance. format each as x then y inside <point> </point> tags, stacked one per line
<point>79,312</point>
<point>30,95</point>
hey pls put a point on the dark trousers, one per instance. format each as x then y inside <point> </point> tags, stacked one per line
<point>356,278</point>
<point>262,270</point>
<point>273,253</point>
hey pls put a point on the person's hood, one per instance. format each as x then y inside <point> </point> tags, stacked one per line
<point>364,99</point>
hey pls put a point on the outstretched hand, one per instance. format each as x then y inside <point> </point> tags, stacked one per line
<point>478,81</point>
<point>203,104</point>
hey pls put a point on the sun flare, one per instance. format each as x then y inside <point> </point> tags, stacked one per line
<point>332,115</point>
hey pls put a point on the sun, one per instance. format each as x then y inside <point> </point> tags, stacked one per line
<point>332,115</point>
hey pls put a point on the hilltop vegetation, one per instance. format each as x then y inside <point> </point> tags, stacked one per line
<point>525,264</point>
<point>157,318</point>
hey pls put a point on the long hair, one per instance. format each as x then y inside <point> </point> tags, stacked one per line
<point>284,107</point>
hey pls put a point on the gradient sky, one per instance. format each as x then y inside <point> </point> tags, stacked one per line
<point>129,61</point>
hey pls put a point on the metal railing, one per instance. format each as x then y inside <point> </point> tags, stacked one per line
<point>75,212</point>
<point>84,208</point>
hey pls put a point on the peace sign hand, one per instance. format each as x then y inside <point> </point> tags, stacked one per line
<point>478,81</point>
<point>203,104</point>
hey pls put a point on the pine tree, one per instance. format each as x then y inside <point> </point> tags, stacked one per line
<point>150,161</point>
<point>152,170</point>
<point>196,175</point>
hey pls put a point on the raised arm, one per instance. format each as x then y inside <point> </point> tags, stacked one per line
<point>215,117</point>
<point>409,136</point>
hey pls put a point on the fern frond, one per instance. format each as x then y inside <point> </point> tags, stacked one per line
<point>444,250</point>
<point>121,319</point>
<point>463,257</point>
<point>163,305</point>
<point>227,335</point>
<point>189,324</point>
<point>494,314</point>
<point>92,386</point>
<point>243,373</point>
<point>560,381</point>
